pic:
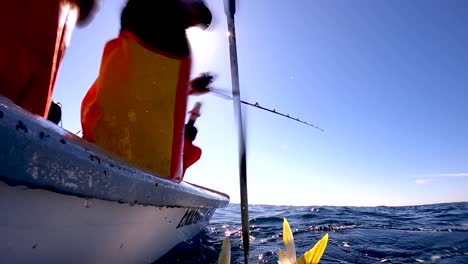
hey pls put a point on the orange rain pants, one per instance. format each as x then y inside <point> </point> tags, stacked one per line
<point>136,107</point>
<point>192,154</point>
<point>34,34</point>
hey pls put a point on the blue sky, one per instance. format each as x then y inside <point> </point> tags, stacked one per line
<point>386,80</point>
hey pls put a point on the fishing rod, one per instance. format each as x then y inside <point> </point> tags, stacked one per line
<point>224,94</point>
<point>230,10</point>
<point>256,105</point>
<point>201,85</point>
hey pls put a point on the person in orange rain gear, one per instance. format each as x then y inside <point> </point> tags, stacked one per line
<point>136,107</point>
<point>35,34</point>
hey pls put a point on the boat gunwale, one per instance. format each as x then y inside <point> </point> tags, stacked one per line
<point>125,183</point>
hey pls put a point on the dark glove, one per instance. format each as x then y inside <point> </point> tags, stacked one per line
<point>199,85</point>
<point>55,112</point>
<point>190,130</point>
<point>87,10</point>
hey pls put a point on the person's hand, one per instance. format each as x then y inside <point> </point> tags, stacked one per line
<point>200,84</point>
<point>87,10</point>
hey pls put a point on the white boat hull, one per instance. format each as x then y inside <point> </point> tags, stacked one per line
<point>39,226</point>
<point>64,200</point>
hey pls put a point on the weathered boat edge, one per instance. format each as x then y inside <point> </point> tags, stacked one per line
<point>38,154</point>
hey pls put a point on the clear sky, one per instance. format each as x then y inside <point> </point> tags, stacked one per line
<point>386,80</point>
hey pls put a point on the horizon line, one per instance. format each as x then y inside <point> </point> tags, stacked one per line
<point>408,205</point>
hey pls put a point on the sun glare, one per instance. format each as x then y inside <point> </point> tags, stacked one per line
<point>203,44</point>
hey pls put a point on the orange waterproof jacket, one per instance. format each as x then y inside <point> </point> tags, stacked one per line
<point>34,36</point>
<point>136,107</point>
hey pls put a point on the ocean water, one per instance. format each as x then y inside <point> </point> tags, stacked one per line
<point>410,234</point>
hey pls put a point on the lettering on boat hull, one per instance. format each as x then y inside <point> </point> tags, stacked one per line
<point>195,216</point>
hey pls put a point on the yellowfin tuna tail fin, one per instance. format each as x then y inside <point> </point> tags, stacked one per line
<point>225,255</point>
<point>313,256</point>
<point>288,256</point>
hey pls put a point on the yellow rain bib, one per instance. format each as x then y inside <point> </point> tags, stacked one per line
<point>136,108</point>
